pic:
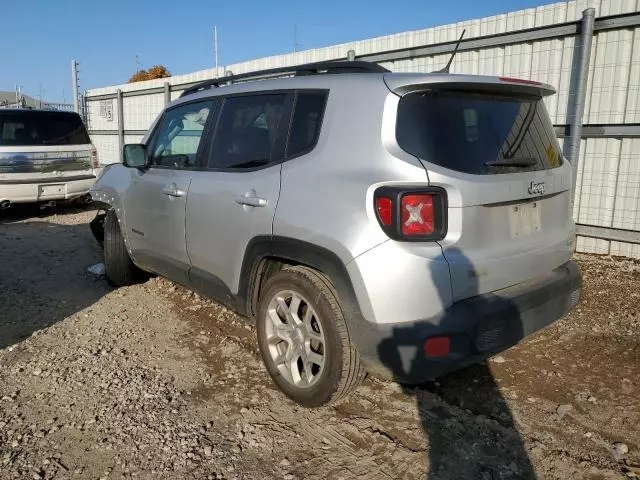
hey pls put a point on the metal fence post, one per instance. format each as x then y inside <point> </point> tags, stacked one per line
<point>74,85</point>
<point>167,93</point>
<point>83,107</point>
<point>576,101</point>
<point>120,121</point>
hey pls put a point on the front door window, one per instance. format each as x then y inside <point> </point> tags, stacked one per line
<point>175,143</point>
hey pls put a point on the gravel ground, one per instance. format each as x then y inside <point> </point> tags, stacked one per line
<point>152,381</point>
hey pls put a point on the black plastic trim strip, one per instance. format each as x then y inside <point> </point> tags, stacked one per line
<point>47,180</point>
<point>259,249</point>
<point>305,253</point>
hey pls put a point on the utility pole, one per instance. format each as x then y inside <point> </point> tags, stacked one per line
<point>138,64</point>
<point>74,85</point>
<point>295,38</point>
<point>19,95</point>
<point>215,47</point>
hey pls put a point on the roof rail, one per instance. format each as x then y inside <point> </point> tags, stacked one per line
<point>297,70</point>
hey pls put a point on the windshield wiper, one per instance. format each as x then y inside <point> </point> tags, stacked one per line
<point>512,162</point>
<point>249,164</point>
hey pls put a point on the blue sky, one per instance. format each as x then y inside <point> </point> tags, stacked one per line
<point>41,37</point>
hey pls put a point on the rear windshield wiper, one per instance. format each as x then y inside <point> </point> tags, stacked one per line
<point>513,162</point>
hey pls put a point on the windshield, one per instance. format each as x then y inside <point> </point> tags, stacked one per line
<point>41,128</point>
<point>478,133</point>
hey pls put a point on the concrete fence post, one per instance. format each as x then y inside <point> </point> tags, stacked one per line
<point>351,55</point>
<point>577,97</point>
<point>119,106</point>
<point>167,93</point>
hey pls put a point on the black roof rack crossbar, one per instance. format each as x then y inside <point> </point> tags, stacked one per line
<point>297,70</point>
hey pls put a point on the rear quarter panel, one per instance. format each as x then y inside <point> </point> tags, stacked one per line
<point>326,196</point>
<point>327,199</point>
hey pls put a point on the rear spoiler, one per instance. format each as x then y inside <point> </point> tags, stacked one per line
<point>403,83</point>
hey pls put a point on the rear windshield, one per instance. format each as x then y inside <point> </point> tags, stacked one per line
<point>41,128</point>
<point>477,133</point>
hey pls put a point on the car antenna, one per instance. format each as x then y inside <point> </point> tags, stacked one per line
<point>455,50</point>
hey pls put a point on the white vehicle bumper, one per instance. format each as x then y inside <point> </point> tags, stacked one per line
<point>58,189</point>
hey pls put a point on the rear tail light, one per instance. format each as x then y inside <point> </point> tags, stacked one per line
<point>412,214</point>
<point>417,214</point>
<point>383,207</point>
<point>94,158</point>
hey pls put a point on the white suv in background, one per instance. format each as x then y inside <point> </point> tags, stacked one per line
<point>45,156</point>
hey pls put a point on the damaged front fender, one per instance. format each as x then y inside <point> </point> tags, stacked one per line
<point>108,193</point>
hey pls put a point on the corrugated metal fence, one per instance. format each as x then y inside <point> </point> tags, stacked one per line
<point>538,43</point>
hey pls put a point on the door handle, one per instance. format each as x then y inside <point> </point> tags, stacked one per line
<point>173,191</point>
<point>251,200</point>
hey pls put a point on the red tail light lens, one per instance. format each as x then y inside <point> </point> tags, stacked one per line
<point>417,214</point>
<point>519,80</point>
<point>94,158</point>
<point>437,347</point>
<point>384,206</point>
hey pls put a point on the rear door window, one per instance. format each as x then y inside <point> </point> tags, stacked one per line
<point>478,133</point>
<point>307,120</point>
<point>246,131</point>
<point>34,128</point>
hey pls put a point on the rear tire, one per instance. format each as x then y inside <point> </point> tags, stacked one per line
<point>304,340</point>
<point>120,269</point>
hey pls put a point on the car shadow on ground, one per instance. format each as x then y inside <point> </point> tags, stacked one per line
<point>488,447</point>
<point>43,273</point>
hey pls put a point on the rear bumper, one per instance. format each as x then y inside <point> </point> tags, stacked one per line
<point>61,188</point>
<point>477,327</point>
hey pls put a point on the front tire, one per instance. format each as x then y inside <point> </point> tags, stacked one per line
<point>119,268</point>
<point>304,340</point>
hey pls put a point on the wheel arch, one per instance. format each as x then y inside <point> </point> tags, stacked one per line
<point>266,255</point>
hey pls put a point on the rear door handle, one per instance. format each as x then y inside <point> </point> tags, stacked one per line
<point>250,199</point>
<point>173,191</point>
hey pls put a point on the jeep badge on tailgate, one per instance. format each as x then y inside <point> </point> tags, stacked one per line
<point>536,188</point>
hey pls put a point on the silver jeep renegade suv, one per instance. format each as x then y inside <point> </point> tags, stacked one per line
<point>403,225</point>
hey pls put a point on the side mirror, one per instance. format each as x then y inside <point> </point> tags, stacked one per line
<point>134,155</point>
